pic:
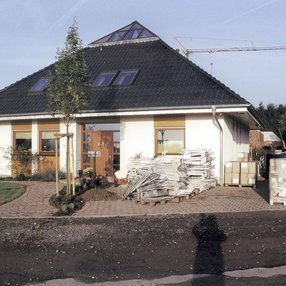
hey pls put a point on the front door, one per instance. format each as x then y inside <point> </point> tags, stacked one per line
<point>105,144</point>
<point>102,143</point>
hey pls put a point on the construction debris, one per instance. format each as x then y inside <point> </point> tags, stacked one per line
<point>167,177</point>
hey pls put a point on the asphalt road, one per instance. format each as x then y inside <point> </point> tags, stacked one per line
<point>206,249</point>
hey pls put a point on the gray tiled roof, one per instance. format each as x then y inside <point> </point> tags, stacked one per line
<point>166,80</point>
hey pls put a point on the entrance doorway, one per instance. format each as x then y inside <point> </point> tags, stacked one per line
<point>101,148</point>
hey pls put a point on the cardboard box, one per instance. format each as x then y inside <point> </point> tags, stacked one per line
<point>235,167</point>
<point>247,179</point>
<point>235,179</point>
<point>252,168</point>
<point>243,157</point>
<point>251,179</point>
<point>228,167</point>
<point>227,178</point>
<point>244,167</point>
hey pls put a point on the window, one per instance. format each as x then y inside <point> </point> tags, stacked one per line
<point>170,140</point>
<point>125,77</point>
<point>104,78</point>
<point>133,34</point>
<point>117,36</point>
<point>40,85</point>
<point>23,140</point>
<point>47,141</point>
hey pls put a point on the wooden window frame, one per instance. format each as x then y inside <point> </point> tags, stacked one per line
<point>20,131</point>
<point>46,153</point>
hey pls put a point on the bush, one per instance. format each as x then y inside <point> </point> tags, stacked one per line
<point>48,175</point>
<point>67,204</point>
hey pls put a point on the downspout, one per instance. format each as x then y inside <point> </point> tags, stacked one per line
<point>216,123</point>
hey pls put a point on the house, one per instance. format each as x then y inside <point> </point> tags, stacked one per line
<point>259,139</point>
<point>147,98</point>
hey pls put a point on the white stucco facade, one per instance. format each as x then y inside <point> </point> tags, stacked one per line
<point>236,138</point>
<point>136,136</point>
<point>5,144</point>
<point>201,132</point>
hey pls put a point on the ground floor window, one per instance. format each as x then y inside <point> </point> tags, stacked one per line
<point>101,147</point>
<point>169,134</point>
<point>169,140</point>
<point>23,140</point>
<point>48,141</point>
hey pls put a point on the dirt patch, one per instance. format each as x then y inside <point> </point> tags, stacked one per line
<point>100,194</point>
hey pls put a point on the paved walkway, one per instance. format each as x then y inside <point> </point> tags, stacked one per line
<point>35,203</point>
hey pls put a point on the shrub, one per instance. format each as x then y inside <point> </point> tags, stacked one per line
<point>48,175</point>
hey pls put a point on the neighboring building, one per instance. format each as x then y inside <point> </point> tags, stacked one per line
<point>259,139</point>
<point>146,98</point>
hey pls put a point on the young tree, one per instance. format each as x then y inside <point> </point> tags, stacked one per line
<point>69,86</point>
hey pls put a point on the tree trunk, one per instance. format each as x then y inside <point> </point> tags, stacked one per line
<point>68,161</point>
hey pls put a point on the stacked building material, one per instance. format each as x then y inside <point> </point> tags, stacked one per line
<point>277,181</point>
<point>240,173</point>
<point>168,176</point>
<point>198,166</point>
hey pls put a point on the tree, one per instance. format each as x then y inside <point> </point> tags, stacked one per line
<point>69,86</point>
<point>274,117</point>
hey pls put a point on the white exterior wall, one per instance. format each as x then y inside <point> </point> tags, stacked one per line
<point>75,129</point>
<point>236,139</point>
<point>35,143</point>
<point>201,132</point>
<point>136,136</point>
<point>5,143</point>
<point>63,144</point>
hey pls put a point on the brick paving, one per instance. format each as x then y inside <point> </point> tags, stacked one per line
<point>35,203</point>
<point>220,199</point>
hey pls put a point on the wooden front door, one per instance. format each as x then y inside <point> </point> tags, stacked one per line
<point>102,143</point>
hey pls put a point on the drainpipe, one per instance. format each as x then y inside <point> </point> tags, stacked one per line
<point>216,122</point>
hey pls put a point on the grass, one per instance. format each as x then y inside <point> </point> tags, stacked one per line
<point>10,191</point>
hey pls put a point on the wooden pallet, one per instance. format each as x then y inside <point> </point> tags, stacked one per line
<point>240,186</point>
<point>153,201</point>
<point>272,202</point>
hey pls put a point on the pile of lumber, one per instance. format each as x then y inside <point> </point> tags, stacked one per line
<point>167,177</point>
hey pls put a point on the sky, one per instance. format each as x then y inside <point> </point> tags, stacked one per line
<point>31,31</point>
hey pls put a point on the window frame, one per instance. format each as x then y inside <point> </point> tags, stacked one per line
<point>156,129</point>
<point>37,82</point>
<point>41,151</point>
<point>136,72</point>
<point>115,74</point>
<point>14,138</point>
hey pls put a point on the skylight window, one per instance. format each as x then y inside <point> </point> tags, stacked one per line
<point>40,85</point>
<point>118,36</point>
<point>104,78</point>
<point>125,77</point>
<point>133,34</point>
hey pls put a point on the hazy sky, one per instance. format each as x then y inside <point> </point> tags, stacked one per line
<point>32,30</point>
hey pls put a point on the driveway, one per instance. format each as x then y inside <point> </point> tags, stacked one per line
<point>35,203</point>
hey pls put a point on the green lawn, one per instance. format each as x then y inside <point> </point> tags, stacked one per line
<point>10,191</point>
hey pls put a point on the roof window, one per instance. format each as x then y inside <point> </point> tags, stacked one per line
<point>125,77</point>
<point>40,85</point>
<point>104,78</point>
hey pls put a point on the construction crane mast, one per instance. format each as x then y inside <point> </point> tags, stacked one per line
<point>188,52</point>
